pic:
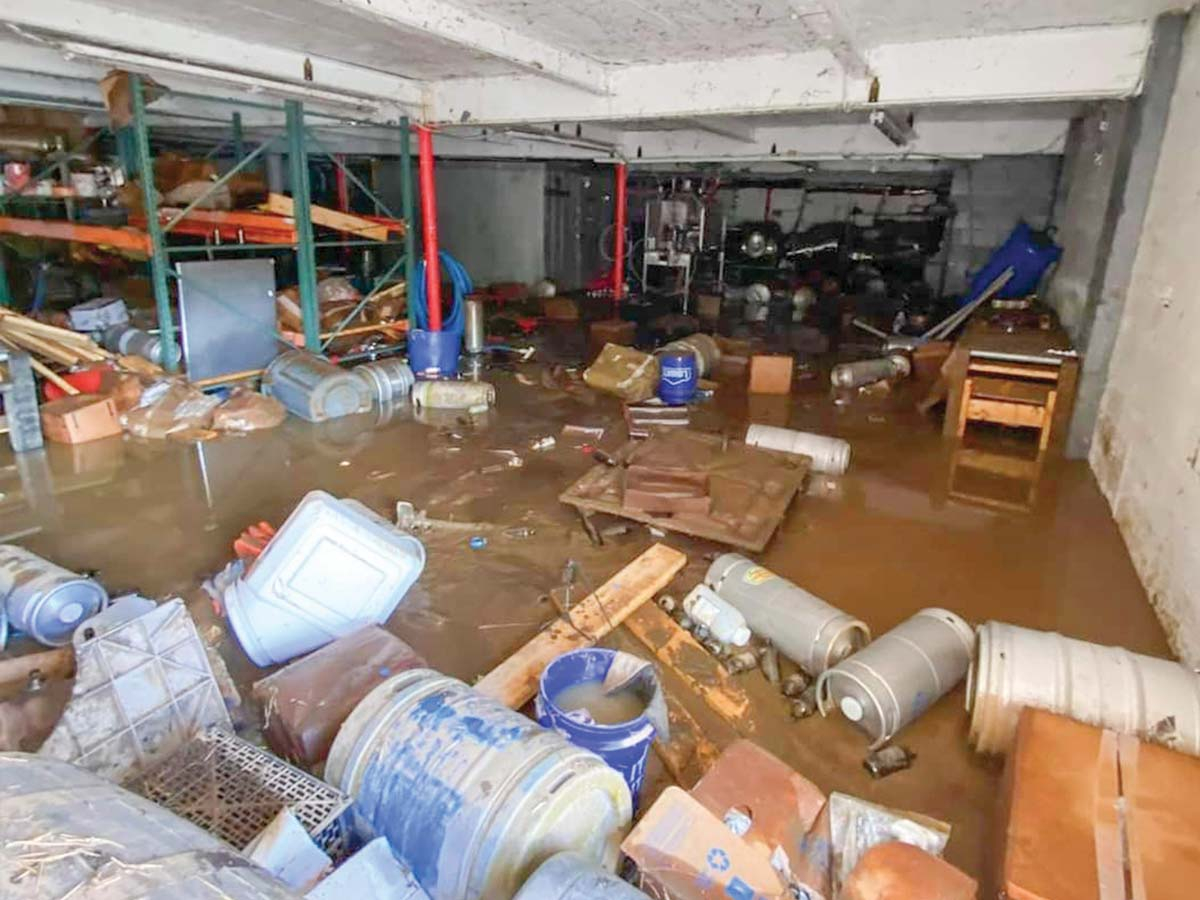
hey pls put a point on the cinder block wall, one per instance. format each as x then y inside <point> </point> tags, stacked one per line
<point>1146,449</point>
<point>991,196</point>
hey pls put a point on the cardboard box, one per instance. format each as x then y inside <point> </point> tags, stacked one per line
<point>685,851</point>
<point>899,871</point>
<point>1091,814</point>
<point>80,418</point>
<point>771,374</point>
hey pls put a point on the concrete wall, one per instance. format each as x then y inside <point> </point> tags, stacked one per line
<point>991,196</point>
<point>1093,177</point>
<point>491,217</point>
<point>1146,451</point>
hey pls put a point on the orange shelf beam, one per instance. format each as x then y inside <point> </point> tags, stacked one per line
<point>57,230</point>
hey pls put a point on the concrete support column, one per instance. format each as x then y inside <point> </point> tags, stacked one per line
<point>1112,154</point>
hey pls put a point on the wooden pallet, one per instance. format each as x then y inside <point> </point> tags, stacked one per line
<point>751,488</point>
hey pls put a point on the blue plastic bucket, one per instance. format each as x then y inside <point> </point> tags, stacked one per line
<point>434,354</point>
<point>677,383</point>
<point>623,746</point>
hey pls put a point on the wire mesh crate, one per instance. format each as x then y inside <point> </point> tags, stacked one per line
<point>233,789</point>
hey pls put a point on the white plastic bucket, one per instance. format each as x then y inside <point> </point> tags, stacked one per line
<point>333,567</point>
<point>808,630</point>
<point>1156,699</point>
<point>829,455</point>
<point>894,679</point>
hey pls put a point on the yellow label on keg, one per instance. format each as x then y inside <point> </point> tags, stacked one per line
<point>757,575</point>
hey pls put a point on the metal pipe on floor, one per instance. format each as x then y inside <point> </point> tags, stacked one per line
<point>620,201</point>
<point>433,275</point>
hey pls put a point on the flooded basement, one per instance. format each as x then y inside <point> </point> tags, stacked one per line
<point>904,529</point>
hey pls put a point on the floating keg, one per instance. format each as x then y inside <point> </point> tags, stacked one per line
<point>314,388</point>
<point>471,794</point>
<point>43,599</point>
<point>388,380</point>
<point>898,676</point>
<point>569,876</point>
<point>453,394</point>
<point>1156,699</point>
<point>829,455</point>
<point>69,833</point>
<point>130,341</point>
<point>805,628</point>
<point>868,371</point>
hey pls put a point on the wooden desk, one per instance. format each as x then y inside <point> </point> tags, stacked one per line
<point>980,339</point>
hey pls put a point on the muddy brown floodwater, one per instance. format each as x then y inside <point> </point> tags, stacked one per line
<point>882,542</point>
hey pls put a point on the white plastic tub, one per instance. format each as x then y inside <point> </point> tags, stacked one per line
<point>333,567</point>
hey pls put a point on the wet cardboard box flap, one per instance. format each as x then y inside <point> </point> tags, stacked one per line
<point>1091,814</point>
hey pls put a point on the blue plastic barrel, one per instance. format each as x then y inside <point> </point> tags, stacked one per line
<point>677,384</point>
<point>623,746</point>
<point>434,354</point>
<point>1029,253</point>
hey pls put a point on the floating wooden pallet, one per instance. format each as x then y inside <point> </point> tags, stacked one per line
<point>751,488</point>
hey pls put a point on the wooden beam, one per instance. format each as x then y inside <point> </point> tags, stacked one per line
<point>698,668</point>
<point>331,218</point>
<point>120,238</point>
<point>514,682</point>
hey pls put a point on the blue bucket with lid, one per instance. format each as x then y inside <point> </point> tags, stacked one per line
<point>625,745</point>
<point>678,378</point>
<point>434,354</point>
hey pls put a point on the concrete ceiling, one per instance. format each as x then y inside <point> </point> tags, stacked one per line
<point>730,77</point>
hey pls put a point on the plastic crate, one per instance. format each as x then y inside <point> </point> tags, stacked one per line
<point>233,789</point>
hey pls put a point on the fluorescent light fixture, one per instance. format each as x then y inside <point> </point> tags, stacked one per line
<point>252,83</point>
<point>897,130</point>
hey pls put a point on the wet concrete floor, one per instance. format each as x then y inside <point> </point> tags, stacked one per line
<point>881,542</point>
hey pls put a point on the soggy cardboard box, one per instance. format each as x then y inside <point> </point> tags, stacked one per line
<point>1088,813</point>
<point>771,374</point>
<point>624,372</point>
<point>684,851</point>
<point>899,871</point>
<point>80,418</point>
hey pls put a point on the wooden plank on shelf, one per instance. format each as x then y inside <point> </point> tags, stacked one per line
<point>330,218</point>
<point>57,230</point>
<point>699,669</point>
<point>514,682</point>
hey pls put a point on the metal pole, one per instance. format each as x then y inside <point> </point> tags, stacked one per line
<point>5,292</point>
<point>306,254</point>
<point>406,206</point>
<point>239,141</point>
<point>433,275</point>
<point>618,273</point>
<point>158,252</point>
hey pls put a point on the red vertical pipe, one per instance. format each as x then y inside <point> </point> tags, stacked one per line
<point>433,275</point>
<point>618,271</point>
<point>342,187</point>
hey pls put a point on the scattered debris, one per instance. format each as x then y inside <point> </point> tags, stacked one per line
<point>805,704</point>
<point>478,542</point>
<point>795,684</point>
<point>883,762</point>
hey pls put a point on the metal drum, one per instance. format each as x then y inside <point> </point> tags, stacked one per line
<point>130,341</point>
<point>313,388</point>
<point>893,680</point>
<point>82,836</point>
<point>471,794</point>
<point>1156,699</point>
<point>388,380</point>
<point>808,630</point>
<point>43,599</point>
<point>569,876</point>
<point>829,455</point>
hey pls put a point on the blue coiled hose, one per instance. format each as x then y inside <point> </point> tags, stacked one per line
<point>461,282</point>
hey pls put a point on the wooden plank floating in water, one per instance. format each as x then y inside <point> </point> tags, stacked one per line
<point>515,681</point>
